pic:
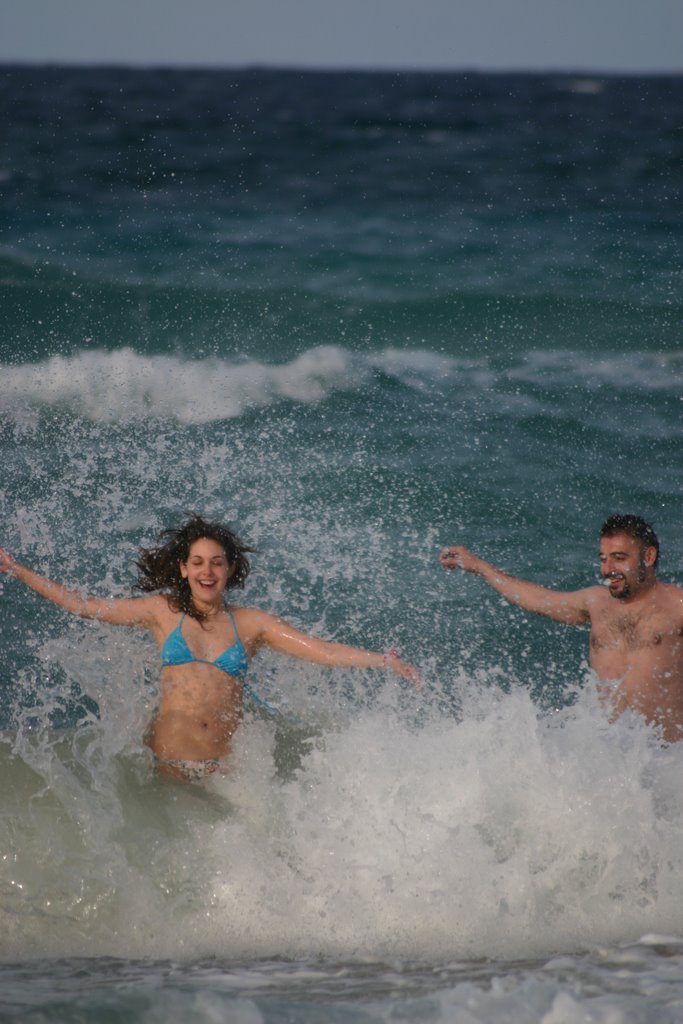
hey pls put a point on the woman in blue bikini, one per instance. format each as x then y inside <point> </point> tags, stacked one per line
<point>206,645</point>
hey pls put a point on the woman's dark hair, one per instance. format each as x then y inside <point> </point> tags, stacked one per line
<point>159,567</point>
<point>632,526</point>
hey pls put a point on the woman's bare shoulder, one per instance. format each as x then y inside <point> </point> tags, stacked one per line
<point>155,609</point>
<point>247,613</point>
<point>253,621</point>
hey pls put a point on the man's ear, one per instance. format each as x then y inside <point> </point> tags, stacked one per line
<point>649,556</point>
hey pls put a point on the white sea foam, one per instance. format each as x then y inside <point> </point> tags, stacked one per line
<point>123,386</point>
<point>658,372</point>
<point>501,834</point>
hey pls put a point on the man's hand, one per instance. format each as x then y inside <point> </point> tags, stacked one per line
<point>460,558</point>
<point>7,563</point>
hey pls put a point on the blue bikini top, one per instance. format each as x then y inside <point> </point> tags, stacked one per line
<point>233,661</point>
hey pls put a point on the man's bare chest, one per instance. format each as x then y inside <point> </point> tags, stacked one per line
<point>635,630</point>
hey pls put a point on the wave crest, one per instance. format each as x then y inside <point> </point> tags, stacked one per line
<point>122,386</point>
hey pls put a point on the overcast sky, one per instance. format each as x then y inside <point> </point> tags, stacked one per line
<point>572,35</point>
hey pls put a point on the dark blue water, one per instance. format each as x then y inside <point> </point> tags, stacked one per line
<point>359,316</point>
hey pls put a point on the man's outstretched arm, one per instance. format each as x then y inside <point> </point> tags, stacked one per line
<point>570,607</point>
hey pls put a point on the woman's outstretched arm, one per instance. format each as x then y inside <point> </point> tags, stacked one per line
<point>118,611</point>
<point>262,628</point>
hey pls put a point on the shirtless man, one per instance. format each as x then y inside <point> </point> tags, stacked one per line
<point>636,642</point>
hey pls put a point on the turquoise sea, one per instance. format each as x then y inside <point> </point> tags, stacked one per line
<point>359,316</point>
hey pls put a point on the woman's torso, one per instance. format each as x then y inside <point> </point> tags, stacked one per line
<point>201,686</point>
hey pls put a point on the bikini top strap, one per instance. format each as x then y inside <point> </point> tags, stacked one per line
<point>234,626</point>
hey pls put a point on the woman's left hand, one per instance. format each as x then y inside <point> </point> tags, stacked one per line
<point>402,668</point>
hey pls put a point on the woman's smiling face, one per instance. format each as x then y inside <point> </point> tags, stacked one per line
<point>207,570</point>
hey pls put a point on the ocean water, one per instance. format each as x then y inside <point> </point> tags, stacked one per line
<point>359,317</point>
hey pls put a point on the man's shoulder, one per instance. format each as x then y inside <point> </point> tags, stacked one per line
<point>596,599</point>
<point>672,588</point>
<point>670,593</point>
